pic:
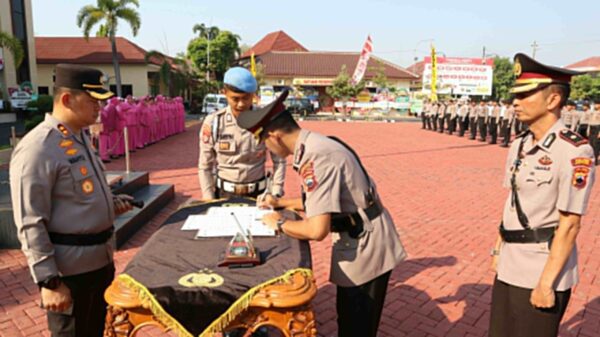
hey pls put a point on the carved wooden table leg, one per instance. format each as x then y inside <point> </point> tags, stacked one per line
<point>285,306</point>
<point>125,314</point>
<point>292,322</point>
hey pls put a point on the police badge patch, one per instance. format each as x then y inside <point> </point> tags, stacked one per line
<point>71,152</point>
<point>309,180</point>
<point>580,176</point>
<point>205,134</point>
<point>203,278</point>
<point>545,160</point>
<point>87,186</point>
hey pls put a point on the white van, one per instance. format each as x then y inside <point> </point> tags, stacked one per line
<point>213,102</point>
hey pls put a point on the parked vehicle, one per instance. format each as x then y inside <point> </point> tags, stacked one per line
<point>213,102</point>
<point>301,106</point>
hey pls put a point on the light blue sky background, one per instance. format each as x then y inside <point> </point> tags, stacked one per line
<point>566,31</point>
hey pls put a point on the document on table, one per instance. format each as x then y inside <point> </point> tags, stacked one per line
<point>219,221</point>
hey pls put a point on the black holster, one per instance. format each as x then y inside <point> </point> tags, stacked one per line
<point>353,222</point>
<point>81,239</point>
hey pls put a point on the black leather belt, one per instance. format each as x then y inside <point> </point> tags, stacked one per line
<point>81,239</point>
<point>353,222</point>
<point>534,235</point>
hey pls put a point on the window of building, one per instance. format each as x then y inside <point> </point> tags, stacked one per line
<point>43,91</point>
<point>126,89</point>
<point>19,26</point>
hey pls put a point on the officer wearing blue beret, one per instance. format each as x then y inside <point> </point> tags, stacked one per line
<point>232,152</point>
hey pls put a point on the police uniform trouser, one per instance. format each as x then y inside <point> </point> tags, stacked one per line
<point>473,126</point>
<point>441,120</point>
<point>513,315</point>
<point>594,141</point>
<point>359,308</point>
<point>482,128</point>
<point>505,132</point>
<point>423,119</point>
<point>434,121</point>
<point>493,126</point>
<point>582,130</point>
<point>89,306</point>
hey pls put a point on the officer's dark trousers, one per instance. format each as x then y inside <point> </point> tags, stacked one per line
<point>518,126</point>
<point>359,308</point>
<point>493,125</point>
<point>473,127</point>
<point>452,125</point>
<point>582,130</point>
<point>462,125</point>
<point>434,121</point>
<point>89,307</point>
<point>482,128</point>
<point>428,122</point>
<point>505,131</point>
<point>441,119</point>
<point>594,141</point>
<point>423,120</point>
<point>513,315</point>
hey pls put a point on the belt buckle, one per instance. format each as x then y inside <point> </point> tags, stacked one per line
<point>240,189</point>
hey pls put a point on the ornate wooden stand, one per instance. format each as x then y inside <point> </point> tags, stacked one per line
<point>283,306</point>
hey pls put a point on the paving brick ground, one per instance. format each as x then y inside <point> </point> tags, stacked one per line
<point>445,196</point>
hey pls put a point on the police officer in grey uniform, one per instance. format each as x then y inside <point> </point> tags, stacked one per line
<point>567,114</point>
<point>64,209</point>
<point>595,128</point>
<point>338,197</point>
<point>583,122</point>
<point>493,121</point>
<point>231,162</point>
<point>550,173</point>
<point>507,122</point>
<point>473,120</point>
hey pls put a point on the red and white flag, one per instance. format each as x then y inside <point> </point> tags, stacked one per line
<point>361,66</point>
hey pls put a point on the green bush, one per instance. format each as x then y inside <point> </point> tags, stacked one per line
<point>43,104</point>
<point>32,122</point>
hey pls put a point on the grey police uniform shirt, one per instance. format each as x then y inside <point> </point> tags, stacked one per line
<point>556,174</point>
<point>333,182</point>
<point>567,116</point>
<point>58,185</point>
<point>235,154</point>
<point>595,118</point>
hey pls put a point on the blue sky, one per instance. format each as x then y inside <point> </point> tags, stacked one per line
<point>566,31</point>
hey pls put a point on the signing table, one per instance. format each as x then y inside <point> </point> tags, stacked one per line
<point>174,283</point>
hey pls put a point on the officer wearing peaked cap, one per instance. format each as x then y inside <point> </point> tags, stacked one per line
<point>231,162</point>
<point>64,209</point>
<point>338,197</point>
<point>550,174</point>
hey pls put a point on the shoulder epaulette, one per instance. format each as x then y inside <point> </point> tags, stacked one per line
<point>572,138</point>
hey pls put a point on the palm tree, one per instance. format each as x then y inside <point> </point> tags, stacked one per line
<point>13,45</point>
<point>209,33</point>
<point>109,11</point>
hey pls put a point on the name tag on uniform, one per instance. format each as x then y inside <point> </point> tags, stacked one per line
<point>227,146</point>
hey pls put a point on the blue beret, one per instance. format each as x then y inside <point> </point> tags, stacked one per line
<point>240,78</point>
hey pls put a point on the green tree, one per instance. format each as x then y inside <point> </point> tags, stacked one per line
<point>213,50</point>
<point>110,12</point>
<point>13,45</point>
<point>585,87</point>
<point>380,79</point>
<point>503,78</point>
<point>342,88</point>
<point>164,70</point>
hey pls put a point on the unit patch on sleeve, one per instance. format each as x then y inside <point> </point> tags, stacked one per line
<point>580,176</point>
<point>309,180</point>
<point>582,161</point>
<point>205,134</point>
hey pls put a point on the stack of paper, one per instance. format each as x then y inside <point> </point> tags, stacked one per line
<point>220,221</point>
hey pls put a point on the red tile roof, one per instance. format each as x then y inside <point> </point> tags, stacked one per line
<point>325,64</point>
<point>589,64</point>
<point>95,50</point>
<point>276,41</point>
<point>417,68</point>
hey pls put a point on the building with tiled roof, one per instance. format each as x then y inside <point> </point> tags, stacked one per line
<point>589,65</point>
<point>286,63</point>
<point>138,78</point>
<point>276,41</point>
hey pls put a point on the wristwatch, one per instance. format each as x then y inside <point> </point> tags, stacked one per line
<point>280,223</point>
<point>51,283</point>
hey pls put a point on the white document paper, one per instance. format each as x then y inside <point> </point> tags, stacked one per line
<point>218,221</point>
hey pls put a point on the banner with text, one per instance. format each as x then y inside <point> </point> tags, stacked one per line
<point>460,76</point>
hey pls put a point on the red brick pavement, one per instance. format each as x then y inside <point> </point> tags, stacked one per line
<point>446,198</point>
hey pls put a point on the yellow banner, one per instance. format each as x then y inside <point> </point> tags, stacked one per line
<point>433,95</point>
<point>252,65</point>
